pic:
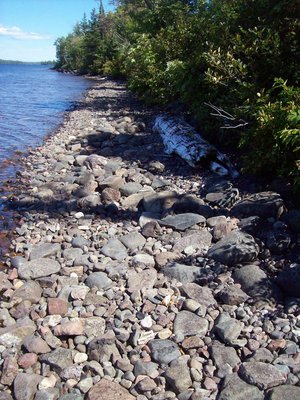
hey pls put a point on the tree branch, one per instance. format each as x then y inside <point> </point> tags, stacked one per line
<point>227,118</point>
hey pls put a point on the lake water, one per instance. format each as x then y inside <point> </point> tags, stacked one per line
<point>33,100</point>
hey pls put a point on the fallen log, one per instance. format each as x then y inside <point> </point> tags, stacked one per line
<point>182,139</point>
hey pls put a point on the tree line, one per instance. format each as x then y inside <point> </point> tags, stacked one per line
<point>233,64</point>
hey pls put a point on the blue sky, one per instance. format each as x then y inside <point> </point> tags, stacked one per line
<point>28,28</point>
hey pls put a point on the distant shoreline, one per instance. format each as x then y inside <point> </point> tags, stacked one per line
<point>13,62</point>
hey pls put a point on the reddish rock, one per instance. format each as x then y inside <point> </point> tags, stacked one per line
<point>57,306</point>
<point>71,328</point>
<point>27,360</point>
<point>110,195</point>
<point>9,371</point>
<point>277,344</point>
<point>107,390</point>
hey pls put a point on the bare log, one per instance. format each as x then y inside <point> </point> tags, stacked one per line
<point>182,139</point>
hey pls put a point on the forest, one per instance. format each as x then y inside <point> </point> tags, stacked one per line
<point>232,65</point>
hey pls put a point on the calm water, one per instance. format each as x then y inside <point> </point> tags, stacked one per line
<point>32,103</point>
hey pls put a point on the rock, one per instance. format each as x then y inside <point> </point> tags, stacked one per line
<point>107,390</point>
<point>38,268</point>
<point>260,374</point>
<point>285,392</point>
<point>235,388</point>
<point>115,250</point>
<point>144,279</point>
<point>144,259</point>
<point>289,280</point>
<point>133,240</point>
<point>262,354</point>
<point>110,195</point>
<point>201,294</point>
<point>114,182</point>
<point>183,273</point>
<point>30,291</point>
<point>49,394</point>
<point>264,205</point>
<point>224,356</point>
<point>146,368</point>
<point>163,351</point>
<point>228,329</point>
<point>188,324</point>
<point>5,396</point>
<point>9,371</point>
<point>181,222</point>
<point>5,284</point>
<point>25,386</point>
<point>200,241</point>
<point>255,282</point>
<point>72,253</point>
<point>146,384</point>
<point>178,375</point>
<point>44,250</point>
<point>35,344</point>
<point>80,242</point>
<point>159,202</point>
<point>292,218</point>
<point>233,295</point>
<point>14,335</point>
<point>94,326</point>
<point>85,384</point>
<point>99,280</point>
<point>27,360</point>
<point>278,242</point>
<point>70,328</point>
<point>57,306</point>
<point>236,247</point>
<point>226,198</point>
<point>58,359</point>
<point>130,188</point>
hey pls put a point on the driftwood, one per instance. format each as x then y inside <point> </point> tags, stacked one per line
<point>181,138</point>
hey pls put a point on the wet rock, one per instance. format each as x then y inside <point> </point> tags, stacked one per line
<point>25,386</point>
<point>107,390</point>
<point>201,294</point>
<point>115,250</point>
<point>188,324</point>
<point>264,205</point>
<point>14,335</point>
<point>200,241</point>
<point>260,374</point>
<point>99,280</point>
<point>30,291</point>
<point>178,375</point>
<point>235,388</point>
<point>181,222</point>
<point>237,247</point>
<point>289,280</point>
<point>285,392</point>
<point>44,250</point>
<point>163,351</point>
<point>183,273</point>
<point>38,268</point>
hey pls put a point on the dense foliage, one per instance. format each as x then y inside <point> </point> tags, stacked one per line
<point>241,56</point>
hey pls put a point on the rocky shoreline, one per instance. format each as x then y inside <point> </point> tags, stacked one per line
<point>131,274</point>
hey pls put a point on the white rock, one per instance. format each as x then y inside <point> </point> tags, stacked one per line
<point>147,322</point>
<point>80,358</point>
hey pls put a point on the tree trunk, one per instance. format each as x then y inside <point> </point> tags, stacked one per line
<point>182,139</point>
